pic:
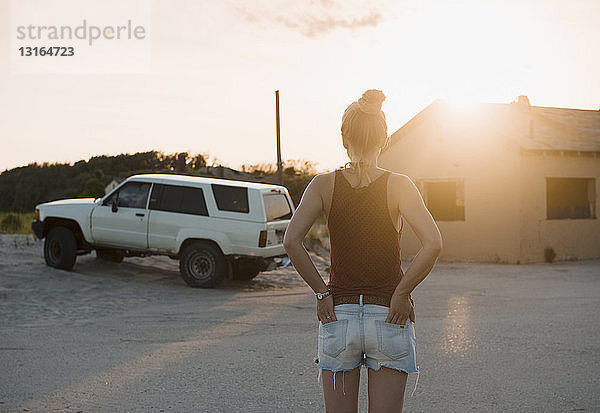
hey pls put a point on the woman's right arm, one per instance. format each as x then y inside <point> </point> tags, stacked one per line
<point>413,208</point>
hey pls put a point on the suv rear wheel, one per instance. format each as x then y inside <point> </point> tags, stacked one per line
<point>60,248</point>
<point>202,265</point>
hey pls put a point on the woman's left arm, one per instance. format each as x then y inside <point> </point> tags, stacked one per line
<point>311,205</point>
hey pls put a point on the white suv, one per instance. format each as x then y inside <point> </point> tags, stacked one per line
<point>216,228</point>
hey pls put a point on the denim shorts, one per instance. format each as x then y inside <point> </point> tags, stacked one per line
<point>360,336</point>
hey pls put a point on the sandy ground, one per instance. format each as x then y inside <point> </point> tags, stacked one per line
<point>133,337</point>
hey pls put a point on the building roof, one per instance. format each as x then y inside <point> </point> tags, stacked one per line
<point>564,129</point>
<point>550,128</point>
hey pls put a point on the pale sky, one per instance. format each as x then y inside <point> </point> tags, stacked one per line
<point>216,64</point>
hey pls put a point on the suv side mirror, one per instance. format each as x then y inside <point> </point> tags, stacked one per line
<point>114,205</point>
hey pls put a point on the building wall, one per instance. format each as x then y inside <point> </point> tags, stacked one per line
<point>112,185</point>
<point>568,237</point>
<point>468,145</point>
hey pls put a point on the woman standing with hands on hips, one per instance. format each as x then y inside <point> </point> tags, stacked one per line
<point>365,311</point>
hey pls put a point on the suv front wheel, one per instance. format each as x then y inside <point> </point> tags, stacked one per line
<point>202,265</point>
<point>60,248</point>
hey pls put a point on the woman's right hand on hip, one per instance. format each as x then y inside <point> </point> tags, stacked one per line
<point>325,312</point>
<point>401,309</point>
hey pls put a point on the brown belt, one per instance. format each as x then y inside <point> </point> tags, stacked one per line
<point>355,299</point>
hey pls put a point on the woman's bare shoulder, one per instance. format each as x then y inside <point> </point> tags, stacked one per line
<point>322,182</point>
<point>402,188</point>
<point>399,179</point>
<point>324,178</point>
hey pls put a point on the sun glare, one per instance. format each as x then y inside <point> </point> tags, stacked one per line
<point>462,103</point>
<point>467,55</point>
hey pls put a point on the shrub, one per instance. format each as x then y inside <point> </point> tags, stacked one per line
<point>549,254</point>
<point>11,223</point>
<point>92,188</point>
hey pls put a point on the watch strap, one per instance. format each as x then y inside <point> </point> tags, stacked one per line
<point>320,296</point>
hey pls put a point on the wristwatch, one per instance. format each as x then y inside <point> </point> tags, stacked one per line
<point>320,296</point>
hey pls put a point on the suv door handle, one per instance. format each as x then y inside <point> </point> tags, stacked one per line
<point>137,214</point>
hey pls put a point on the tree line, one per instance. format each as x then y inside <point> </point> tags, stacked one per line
<point>24,187</point>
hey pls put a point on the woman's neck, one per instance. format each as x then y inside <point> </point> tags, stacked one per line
<point>368,168</point>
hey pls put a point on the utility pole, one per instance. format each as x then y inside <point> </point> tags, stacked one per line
<point>279,164</point>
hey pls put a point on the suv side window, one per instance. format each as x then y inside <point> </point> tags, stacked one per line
<point>231,198</point>
<point>277,207</point>
<point>176,198</point>
<point>131,195</point>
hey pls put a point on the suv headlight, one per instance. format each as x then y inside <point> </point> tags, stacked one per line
<point>37,214</point>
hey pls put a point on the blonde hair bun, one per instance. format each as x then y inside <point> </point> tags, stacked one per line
<point>371,101</point>
<point>364,129</point>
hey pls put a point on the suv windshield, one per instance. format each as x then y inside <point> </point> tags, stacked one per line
<point>277,207</point>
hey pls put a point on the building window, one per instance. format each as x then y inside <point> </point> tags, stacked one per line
<point>573,198</point>
<point>445,200</point>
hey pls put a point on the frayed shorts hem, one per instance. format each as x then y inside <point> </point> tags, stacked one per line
<point>395,368</point>
<point>338,369</point>
<point>366,365</point>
